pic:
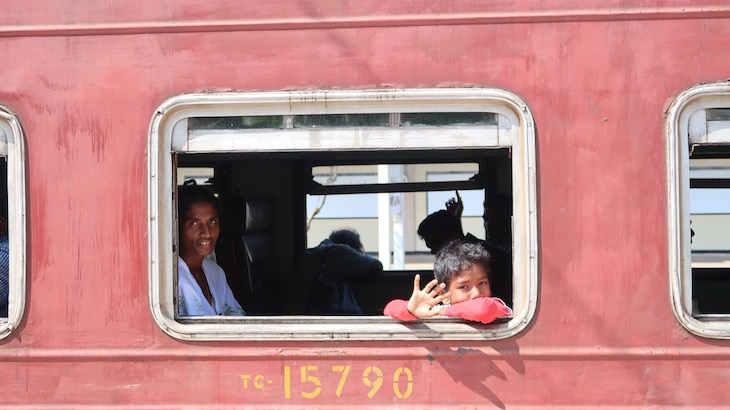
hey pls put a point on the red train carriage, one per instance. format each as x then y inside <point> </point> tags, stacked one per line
<point>605,125</point>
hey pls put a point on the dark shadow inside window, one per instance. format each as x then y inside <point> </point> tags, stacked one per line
<point>709,227</point>
<point>264,238</point>
<point>4,242</point>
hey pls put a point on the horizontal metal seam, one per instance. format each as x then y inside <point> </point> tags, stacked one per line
<point>531,17</point>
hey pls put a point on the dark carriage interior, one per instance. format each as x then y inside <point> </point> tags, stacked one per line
<point>264,217</point>
<point>710,257</point>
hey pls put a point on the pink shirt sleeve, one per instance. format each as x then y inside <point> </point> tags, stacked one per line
<point>483,310</point>
<point>398,309</point>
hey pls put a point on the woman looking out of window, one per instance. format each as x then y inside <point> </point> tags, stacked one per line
<point>202,286</point>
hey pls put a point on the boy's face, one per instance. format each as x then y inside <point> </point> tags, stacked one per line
<point>469,284</point>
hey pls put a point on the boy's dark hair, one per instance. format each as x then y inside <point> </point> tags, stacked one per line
<point>347,236</point>
<point>457,256</point>
<point>191,193</point>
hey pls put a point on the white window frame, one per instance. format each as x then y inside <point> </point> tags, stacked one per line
<point>686,126</point>
<point>169,134</point>
<point>12,147</point>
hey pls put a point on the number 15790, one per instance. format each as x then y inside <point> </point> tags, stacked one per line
<point>310,385</point>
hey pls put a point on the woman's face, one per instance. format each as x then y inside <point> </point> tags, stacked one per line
<point>199,231</point>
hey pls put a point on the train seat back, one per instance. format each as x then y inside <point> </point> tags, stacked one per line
<point>260,255</point>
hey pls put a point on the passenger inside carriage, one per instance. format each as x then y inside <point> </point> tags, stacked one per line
<point>498,227</point>
<point>461,288</point>
<point>202,286</point>
<point>441,227</point>
<point>323,276</point>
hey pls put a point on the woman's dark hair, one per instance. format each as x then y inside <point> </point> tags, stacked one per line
<point>191,193</point>
<point>347,236</point>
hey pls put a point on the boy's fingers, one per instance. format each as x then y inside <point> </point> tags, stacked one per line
<point>417,283</point>
<point>440,298</point>
<point>429,286</point>
<point>437,289</point>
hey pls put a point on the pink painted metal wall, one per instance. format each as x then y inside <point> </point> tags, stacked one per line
<point>85,80</point>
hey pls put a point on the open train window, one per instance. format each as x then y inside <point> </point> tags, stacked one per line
<point>289,167</point>
<point>12,222</point>
<point>698,132</point>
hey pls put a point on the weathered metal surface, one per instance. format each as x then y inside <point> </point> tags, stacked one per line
<point>85,81</point>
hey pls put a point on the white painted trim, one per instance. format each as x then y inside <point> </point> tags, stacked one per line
<point>14,150</point>
<point>334,139</point>
<point>167,136</point>
<point>684,127</point>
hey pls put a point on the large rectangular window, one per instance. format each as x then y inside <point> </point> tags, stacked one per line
<point>12,222</point>
<point>698,132</point>
<point>288,168</point>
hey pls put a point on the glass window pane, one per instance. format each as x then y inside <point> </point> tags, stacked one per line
<point>341,120</point>
<point>331,175</point>
<point>236,123</point>
<point>448,118</point>
<point>718,114</point>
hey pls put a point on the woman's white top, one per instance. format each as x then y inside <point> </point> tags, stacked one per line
<point>192,302</point>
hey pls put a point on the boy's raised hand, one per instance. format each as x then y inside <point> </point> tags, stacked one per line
<point>422,302</point>
<point>455,206</point>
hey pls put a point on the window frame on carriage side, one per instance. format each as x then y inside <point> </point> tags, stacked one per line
<point>169,135</point>
<point>686,129</point>
<point>12,149</point>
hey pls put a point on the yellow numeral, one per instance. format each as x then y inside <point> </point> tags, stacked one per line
<point>345,370</point>
<point>376,384</point>
<point>287,382</point>
<point>409,386</point>
<point>305,378</point>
